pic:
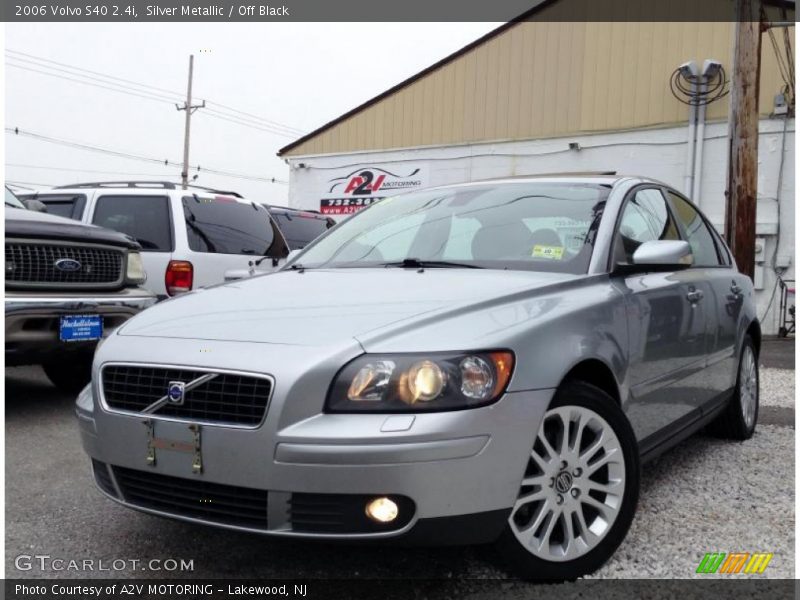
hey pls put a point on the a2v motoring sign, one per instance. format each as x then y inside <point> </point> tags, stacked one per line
<point>355,189</point>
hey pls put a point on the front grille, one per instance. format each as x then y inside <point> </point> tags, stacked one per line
<point>30,264</point>
<point>102,477</point>
<point>197,498</point>
<point>228,398</point>
<point>342,513</point>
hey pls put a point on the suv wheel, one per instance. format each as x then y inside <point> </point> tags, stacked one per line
<point>738,421</point>
<point>578,496</point>
<point>71,374</point>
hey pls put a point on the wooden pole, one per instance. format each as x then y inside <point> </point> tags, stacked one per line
<point>740,209</point>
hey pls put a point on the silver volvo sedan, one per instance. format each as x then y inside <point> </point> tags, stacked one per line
<point>487,362</point>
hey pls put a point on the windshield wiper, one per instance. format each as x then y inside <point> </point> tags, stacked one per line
<point>416,263</point>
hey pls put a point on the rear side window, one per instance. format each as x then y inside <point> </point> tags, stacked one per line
<point>144,218</point>
<point>704,250</point>
<point>299,229</point>
<point>223,226</point>
<point>64,205</point>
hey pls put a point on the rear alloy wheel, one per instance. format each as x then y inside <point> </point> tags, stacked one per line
<point>738,420</point>
<point>579,492</point>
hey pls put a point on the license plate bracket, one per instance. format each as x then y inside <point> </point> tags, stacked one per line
<point>80,328</point>
<point>193,446</point>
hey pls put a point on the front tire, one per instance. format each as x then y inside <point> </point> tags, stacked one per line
<point>738,420</point>
<point>578,496</point>
<point>70,375</point>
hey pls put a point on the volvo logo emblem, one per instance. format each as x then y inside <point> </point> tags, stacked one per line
<point>563,482</point>
<point>68,265</point>
<point>175,392</point>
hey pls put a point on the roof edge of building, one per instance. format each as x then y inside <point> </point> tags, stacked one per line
<point>406,82</point>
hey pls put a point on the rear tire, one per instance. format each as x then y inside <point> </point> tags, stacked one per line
<point>563,525</point>
<point>70,375</point>
<point>738,420</point>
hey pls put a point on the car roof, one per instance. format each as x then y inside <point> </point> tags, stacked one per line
<point>608,178</point>
<point>138,191</point>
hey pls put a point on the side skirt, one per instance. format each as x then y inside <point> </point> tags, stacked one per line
<point>656,444</point>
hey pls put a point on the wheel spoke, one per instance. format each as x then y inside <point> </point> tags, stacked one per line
<point>602,461</point>
<point>545,539</point>
<point>530,497</point>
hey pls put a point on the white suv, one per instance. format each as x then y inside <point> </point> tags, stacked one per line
<point>190,238</point>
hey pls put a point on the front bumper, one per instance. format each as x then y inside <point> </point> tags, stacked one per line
<point>32,319</point>
<point>461,470</point>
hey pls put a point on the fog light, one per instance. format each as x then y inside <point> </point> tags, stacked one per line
<point>382,510</point>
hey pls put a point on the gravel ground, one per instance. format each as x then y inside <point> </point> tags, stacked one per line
<point>777,387</point>
<point>706,495</point>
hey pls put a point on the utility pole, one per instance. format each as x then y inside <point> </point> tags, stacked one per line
<point>189,111</point>
<point>740,208</point>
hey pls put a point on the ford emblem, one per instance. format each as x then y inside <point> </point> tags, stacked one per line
<point>68,265</point>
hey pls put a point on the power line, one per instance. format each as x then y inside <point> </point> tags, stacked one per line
<point>215,114</point>
<point>139,157</point>
<point>267,124</point>
<point>97,85</point>
<point>66,169</point>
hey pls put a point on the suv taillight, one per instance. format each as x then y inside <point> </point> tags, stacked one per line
<point>179,277</point>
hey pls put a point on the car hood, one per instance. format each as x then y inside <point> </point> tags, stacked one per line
<point>21,223</point>
<point>324,307</point>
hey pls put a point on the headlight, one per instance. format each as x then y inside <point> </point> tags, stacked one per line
<point>418,383</point>
<point>135,273</point>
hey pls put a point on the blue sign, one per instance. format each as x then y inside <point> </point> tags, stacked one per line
<point>80,328</point>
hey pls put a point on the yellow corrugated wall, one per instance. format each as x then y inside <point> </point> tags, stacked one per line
<point>543,79</point>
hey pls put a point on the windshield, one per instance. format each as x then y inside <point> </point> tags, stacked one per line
<point>12,200</point>
<point>540,226</point>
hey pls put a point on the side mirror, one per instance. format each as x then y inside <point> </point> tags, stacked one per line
<point>35,205</point>
<point>662,255</point>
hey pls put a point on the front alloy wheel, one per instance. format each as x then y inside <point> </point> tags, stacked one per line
<point>578,494</point>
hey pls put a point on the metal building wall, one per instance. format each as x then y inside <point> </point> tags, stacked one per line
<point>540,79</point>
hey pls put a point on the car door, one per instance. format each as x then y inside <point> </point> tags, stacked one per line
<point>148,219</point>
<point>712,263</point>
<point>666,323</point>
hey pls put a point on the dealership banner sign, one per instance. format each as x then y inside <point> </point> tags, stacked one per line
<point>353,189</point>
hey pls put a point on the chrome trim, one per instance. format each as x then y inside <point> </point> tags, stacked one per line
<point>164,400</point>
<point>60,303</point>
<point>29,285</point>
<point>272,532</point>
<point>113,411</point>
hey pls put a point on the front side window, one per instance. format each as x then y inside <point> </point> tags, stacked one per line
<point>69,206</point>
<point>537,226</point>
<point>221,225</point>
<point>300,229</point>
<point>144,218</point>
<point>701,240</point>
<point>645,218</point>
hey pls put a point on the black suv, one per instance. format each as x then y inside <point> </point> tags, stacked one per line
<point>67,286</point>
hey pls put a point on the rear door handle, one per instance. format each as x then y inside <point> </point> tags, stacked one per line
<point>735,289</point>
<point>694,296</point>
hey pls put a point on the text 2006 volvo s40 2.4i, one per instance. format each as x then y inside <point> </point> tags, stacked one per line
<point>472,363</point>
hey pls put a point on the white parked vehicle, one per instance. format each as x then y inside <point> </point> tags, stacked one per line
<point>190,238</point>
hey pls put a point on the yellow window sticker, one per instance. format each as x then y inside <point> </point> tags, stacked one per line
<point>550,252</point>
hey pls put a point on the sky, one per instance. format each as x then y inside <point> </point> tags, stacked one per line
<point>296,75</point>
